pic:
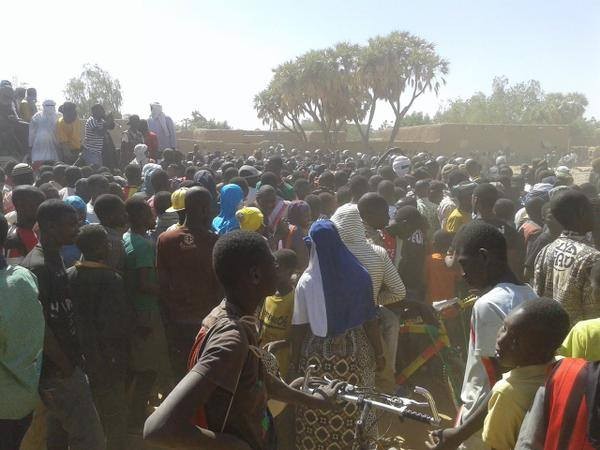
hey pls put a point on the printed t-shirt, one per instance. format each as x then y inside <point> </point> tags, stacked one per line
<point>487,318</point>
<point>227,361</point>
<point>188,285</point>
<point>512,397</point>
<point>21,342</point>
<point>139,253</point>
<point>55,298</point>
<point>562,272</point>
<point>276,320</point>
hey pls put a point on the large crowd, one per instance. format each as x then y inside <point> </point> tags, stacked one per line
<point>145,290</point>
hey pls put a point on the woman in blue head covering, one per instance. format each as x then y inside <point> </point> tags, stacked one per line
<point>231,198</point>
<point>335,328</point>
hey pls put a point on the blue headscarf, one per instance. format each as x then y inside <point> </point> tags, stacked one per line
<point>231,197</point>
<point>335,283</point>
<point>147,172</point>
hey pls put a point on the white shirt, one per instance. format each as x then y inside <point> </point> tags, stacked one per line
<point>90,214</point>
<point>487,317</point>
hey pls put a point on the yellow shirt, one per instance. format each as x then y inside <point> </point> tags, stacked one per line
<point>69,134</point>
<point>276,320</point>
<point>512,397</point>
<point>583,341</point>
<point>456,220</point>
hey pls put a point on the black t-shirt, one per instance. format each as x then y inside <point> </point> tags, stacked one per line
<point>54,296</point>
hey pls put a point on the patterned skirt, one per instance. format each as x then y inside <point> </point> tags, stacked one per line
<point>348,357</point>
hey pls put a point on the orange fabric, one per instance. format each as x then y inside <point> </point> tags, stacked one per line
<point>440,280</point>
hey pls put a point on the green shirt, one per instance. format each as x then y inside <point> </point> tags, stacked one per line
<point>21,342</point>
<point>139,252</point>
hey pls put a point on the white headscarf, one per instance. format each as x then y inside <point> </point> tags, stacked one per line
<point>139,153</point>
<point>157,113</point>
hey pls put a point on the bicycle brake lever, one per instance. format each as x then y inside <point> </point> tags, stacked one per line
<point>434,411</point>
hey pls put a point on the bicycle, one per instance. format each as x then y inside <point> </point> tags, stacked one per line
<point>368,399</point>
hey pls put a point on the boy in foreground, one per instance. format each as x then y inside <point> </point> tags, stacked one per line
<point>225,392</point>
<point>526,344</point>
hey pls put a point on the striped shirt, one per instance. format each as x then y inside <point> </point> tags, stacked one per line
<point>94,135</point>
<point>387,285</point>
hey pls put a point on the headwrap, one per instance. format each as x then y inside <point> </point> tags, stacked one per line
<point>296,211</point>
<point>231,197</point>
<point>335,290</point>
<point>250,218</point>
<point>139,152</point>
<point>541,190</point>
<point>147,172</point>
<point>76,202</point>
<point>401,165</point>
<point>156,113</point>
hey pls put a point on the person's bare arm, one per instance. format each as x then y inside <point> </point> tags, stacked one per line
<point>170,426</point>
<point>451,438</point>
<point>278,390</point>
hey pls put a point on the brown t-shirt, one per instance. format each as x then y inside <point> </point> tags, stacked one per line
<point>188,285</point>
<point>225,358</point>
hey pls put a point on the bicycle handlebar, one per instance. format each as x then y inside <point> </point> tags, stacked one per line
<point>392,404</point>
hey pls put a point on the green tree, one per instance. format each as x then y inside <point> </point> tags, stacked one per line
<point>400,68</point>
<point>198,121</point>
<point>95,85</point>
<point>343,84</point>
<point>521,103</point>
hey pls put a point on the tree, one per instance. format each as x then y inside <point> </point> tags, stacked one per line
<point>94,85</point>
<point>521,103</point>
<point>343,84</point>
<point>400,67</point>
<point>198,121</point>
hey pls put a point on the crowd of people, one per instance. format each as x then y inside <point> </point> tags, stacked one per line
<point>145,290</point>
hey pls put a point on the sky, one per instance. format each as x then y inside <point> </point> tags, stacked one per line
<point>214,56</point>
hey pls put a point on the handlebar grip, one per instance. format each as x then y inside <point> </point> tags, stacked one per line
<point>418,416</point>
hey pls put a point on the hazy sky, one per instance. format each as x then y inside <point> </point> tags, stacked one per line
<point>214,56</point>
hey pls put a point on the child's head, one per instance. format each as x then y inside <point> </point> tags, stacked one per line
<point>442,240</point>
<point>92,241</point>
<point>110,210</point>
<point>72,174</point>
<point>287,263</point>
<point>244,264</point>
<point>328,204</point>
<point>139,214</point>
<point>27,199</point>
<point>133,174</point>
<point>504,209</point>
<point>532,333</point>
<point>162,201</point>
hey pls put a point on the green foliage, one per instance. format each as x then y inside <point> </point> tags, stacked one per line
<point>521,103</point>
<point>95,85</point>
<point>344,84</point>
<point>198,121</point>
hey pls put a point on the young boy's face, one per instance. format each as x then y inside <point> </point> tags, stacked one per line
<point>508,350</point>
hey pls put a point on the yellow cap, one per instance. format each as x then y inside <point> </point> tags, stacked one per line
<point>178,200</point>
<point>250,218</point>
